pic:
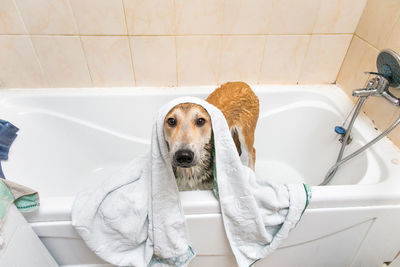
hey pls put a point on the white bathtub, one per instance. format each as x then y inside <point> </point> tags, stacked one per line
<point>70,139</point>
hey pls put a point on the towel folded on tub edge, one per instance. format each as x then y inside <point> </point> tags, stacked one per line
<point>135,218</point>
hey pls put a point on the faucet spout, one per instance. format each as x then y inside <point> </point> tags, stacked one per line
<point>364,92</point>
<point>391,98</point>
<point>370,90</point>
<point>378,86</point>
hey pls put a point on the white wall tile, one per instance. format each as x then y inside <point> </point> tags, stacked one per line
<point>10,19</point>
<point>47,16</point>
<point>199,16</point>
<point>339,16</point>
<point>198,59</point>
<point>99,16</point>
<point>109,60</point>
<point>293,16</point>
<point>247,16</point>
<point>283,58</point>
<point>324,57</point>
<point>241,58</point>
<point>150,17</point>
<point>19,66</point>
<point>154,60</point>
<point>63,60</point>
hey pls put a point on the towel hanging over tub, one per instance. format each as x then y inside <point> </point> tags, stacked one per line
<point>135,218</point>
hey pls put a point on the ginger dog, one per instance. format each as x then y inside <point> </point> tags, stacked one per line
<point>188,133</point>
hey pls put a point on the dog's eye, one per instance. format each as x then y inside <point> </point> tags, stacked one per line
<point>200,122</point>
<point>171,122</point>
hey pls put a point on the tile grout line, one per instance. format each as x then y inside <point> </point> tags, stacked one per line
<point>176,47</point>
<point>362,13</point>
<point>392,29</point>
<point>183,35</point>
<point>364,40</point>
<point>219,65</point>
<point>86,60</point>
<point>45,76</point>
<point>266,36</point>
<point>317,16</point>
<point>344,58</point>
<point>129,43</point>
<point>303,60</point>
<point>309,43</point>
<point>262,59</point>
<point>81,42</point>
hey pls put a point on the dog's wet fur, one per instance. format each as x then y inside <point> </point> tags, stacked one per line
<point>188,133</point>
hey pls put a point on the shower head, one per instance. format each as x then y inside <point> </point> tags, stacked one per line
<point>388,64</point>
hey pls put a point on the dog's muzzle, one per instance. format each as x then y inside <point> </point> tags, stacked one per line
<point>184,158</point>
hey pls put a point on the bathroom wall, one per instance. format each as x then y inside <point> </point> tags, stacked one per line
<point>79,43</point>
<point>379,28</point>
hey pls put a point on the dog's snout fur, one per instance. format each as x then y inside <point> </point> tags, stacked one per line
<point>184,158</point>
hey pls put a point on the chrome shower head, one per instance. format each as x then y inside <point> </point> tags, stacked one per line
<point>388,65</point>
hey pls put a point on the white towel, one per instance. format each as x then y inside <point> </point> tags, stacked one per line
<point>135,218</point>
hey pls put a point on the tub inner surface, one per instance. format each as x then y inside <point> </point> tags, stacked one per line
<point>69,140</point>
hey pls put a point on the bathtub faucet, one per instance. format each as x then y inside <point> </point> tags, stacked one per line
<point>388,76</point>
<point>378,86</point>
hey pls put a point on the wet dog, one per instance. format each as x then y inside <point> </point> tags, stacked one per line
<point>188,133</point>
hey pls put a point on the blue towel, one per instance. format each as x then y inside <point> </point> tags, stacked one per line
<point>8,133</point>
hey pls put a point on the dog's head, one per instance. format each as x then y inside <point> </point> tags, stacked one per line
<point>188,132</point>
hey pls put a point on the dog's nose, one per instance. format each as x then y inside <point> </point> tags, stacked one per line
<point>184,156</point>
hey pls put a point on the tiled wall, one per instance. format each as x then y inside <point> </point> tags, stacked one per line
<point>379,28</point>
<point>76,43</point>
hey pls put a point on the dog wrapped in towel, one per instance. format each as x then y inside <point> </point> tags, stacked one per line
<point>135,218</point>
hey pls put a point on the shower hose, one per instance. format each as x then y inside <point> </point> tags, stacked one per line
<point>340,160</point>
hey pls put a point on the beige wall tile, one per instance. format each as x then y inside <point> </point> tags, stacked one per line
<point>99,16</point>
<point>198,59</point>
<point>154,60</point>
<point>241,58</point>
<point>293,16</point>
<point>377,21</point>
<point>19,66</point>
<point>360,57</point>
<point>247,16</point>
<point>199,16</point>
<point>109,60</point>
<point>339,16</point>
<point>380,111</point>
<point>324,57</point>
<point>10,19</point>
<point>393,41</point>
<point>47,16</point>
<point>283,58</point>
<point>63,60</point>
<point>148,17</point>
<point>395,135</point>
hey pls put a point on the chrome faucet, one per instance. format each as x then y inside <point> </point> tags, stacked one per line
<point>378,86</point>
<point>388,76</point>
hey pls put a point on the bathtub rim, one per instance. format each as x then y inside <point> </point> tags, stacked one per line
<point>335,196</point>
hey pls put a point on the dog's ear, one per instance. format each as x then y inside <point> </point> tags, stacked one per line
<point>235,136</point>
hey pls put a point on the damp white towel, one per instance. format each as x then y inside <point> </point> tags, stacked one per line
<point>135,218</point>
